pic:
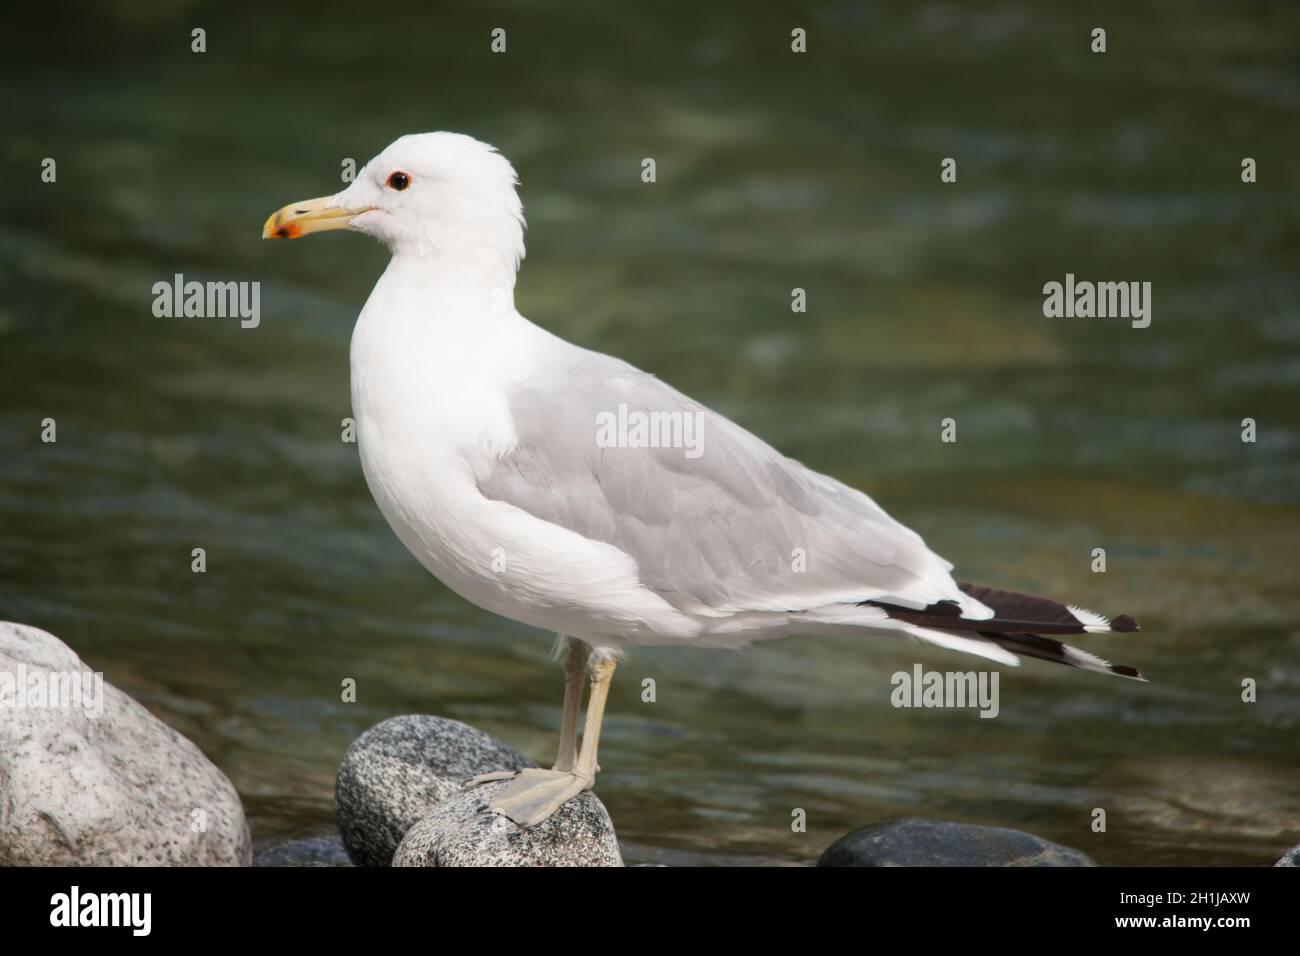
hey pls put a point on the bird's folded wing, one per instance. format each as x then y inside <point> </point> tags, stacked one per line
<point>717,521</point>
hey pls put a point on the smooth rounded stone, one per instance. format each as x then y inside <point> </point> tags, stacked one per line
<point>323,850</point>
<point>915,841</point>
<point>102,782</point>
<point>395,773</point>
<point>1292,858</point>
<point>461,832</point>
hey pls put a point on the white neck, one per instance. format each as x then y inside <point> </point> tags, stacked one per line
<point>435,287</point>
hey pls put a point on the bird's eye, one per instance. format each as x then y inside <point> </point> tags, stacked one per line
<point>399,180</point>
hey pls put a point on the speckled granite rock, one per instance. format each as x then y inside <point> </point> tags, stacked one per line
<point>459,833</point>
<point>398,771</point>
<point>117,789</point>
<point>1291,858</point>
<point>324,850</point>
<point>918,842</point>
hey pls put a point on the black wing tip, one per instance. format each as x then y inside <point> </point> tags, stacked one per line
<point>1132,673</point>
<point>1042,611</point>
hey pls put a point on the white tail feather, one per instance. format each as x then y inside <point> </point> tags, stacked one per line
<point>967,645</point>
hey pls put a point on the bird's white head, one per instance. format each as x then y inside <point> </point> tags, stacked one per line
<point>443,196</point>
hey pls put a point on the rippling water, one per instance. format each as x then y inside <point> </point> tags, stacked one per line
<point>774,171</point>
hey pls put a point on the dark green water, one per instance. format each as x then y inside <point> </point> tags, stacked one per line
<point>818,171</point>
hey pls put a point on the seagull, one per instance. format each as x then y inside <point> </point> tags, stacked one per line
<point>573,492</point>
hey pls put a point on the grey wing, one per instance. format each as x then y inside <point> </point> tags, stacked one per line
<point>717,521</point>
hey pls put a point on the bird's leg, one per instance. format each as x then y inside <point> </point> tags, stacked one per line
<point>575,669</point>
<point>602,672</point>
<point>575,666</point>
<point>534,795</point>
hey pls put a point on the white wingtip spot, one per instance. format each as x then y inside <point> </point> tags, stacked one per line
<point>1083,659</point>
<point>1092,621</point>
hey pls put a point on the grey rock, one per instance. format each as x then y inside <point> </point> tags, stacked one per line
<point>113,788</point>
<point>914,841</point>
<point>1290,858</point>
<point>398,771</point>
<point>322,850</point>
<point>460,832</point>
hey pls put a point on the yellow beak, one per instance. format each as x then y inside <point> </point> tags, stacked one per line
<point>303,218</point>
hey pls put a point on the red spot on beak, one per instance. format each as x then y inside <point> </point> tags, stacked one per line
<point>287,232</point>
